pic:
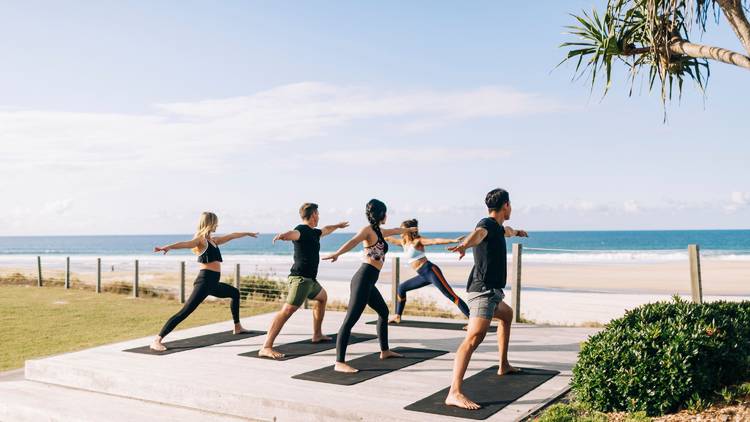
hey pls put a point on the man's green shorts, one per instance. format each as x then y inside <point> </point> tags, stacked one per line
<point>301,288</point>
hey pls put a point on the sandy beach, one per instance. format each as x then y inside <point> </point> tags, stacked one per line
<point>575,293</point>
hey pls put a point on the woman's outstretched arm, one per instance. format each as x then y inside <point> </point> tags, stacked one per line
<point>179,245</point>
<point>228,237</point>
<point>394,240</point>
<point>439,241</point>
<point>349,245</point>
<point>400,230</point>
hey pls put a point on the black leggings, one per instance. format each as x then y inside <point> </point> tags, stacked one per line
<point>363,292</point>
<point>207,283</point>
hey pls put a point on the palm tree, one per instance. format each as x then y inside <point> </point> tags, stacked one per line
<point>654,35</point>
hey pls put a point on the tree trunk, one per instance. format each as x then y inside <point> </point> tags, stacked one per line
<point>735,14</point>
<point>707,52</point>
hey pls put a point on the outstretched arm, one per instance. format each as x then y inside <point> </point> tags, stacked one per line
<point>332,228</point>
<point>439,241</point>
<point>291,235</point>
<point>394,240</point>
<point>228,237</point>
<point>509,232</point>
<point>179,245</point>
<point>472,240</point>
<point>349,245</point>
<point>400,230</point>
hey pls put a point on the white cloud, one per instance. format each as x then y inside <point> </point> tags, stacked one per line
<point>631,207</point>
<point>737,200</point>
<point>585,206</point>
<point>410,155</point>
<point>57,208</point>
<point>212,130</point>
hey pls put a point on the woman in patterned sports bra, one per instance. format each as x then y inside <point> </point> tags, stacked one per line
<point>207,283</point>
<point>363,290</point>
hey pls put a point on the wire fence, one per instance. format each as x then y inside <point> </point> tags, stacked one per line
<point>594,290</point>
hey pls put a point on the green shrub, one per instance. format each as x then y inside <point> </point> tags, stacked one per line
<point>664,356</point>
<point>262,288</point>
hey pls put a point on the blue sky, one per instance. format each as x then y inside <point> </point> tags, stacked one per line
<point>133,118</point>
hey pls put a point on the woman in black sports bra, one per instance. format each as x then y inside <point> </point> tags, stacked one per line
<point>363,290</point>
<point>207,283</point>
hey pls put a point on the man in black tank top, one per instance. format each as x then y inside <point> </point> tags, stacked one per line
<point>303,283</point>
<point>485,286</point>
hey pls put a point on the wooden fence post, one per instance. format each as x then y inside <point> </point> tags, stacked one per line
<point>696,286</point>
<point>237,276</point>
<point>39,271</point>
<point>395,280</point>
<point>67,272</point>
<point>98,275</point>
<point>182,282</point>
<point>135,280</point>
<point>515,288</point>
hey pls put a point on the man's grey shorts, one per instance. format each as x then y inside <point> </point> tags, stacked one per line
<point>483,304</point>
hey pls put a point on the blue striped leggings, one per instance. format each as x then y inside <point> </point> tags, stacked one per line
<point>429,273</point>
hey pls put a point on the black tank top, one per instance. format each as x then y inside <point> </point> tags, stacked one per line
<point>211,254</point>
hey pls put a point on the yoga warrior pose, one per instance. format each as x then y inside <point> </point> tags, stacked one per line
<point>486,281</point>
<point>207,283</point>
<point>427,272</point>
<point>363,290</point>
<point>302,276</point>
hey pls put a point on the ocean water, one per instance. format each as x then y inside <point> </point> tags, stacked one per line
<point>541,247</point>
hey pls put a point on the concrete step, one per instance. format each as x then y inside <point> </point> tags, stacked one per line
<point>34,402</point>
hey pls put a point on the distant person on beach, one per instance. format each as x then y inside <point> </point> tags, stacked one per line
<point>363,290</point>
<point>207,283</point>
<point>485,284</point>
<point>303,283</point>
<point>427,272</point>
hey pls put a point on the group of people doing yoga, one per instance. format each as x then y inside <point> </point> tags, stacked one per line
<point>484,286</point>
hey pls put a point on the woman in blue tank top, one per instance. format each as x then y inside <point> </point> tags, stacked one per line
<point>427,272</point>
<point>207,283</point>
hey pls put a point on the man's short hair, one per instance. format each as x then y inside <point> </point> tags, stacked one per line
<point>496,198</point>
<point>307,210</point>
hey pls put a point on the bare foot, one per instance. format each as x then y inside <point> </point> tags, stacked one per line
<point>268,352</point>
<point>459,400</point>
<point>240,330</point>
<point>396,319</point>
<point>157,346</point>
<point>507,369</point>
<point>343,367</point>
<point>321,338</point>
<point>389,354</point>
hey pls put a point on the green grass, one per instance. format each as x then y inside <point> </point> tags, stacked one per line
<point>43,321</point>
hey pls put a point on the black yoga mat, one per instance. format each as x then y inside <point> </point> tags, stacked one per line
<point>491,391</point>
<point>307,347</point>
<point>196,342</point>
<point>436,325</point>
<point>370,366</point>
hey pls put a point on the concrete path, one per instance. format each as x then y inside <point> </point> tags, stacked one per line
<point>216,381</point>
